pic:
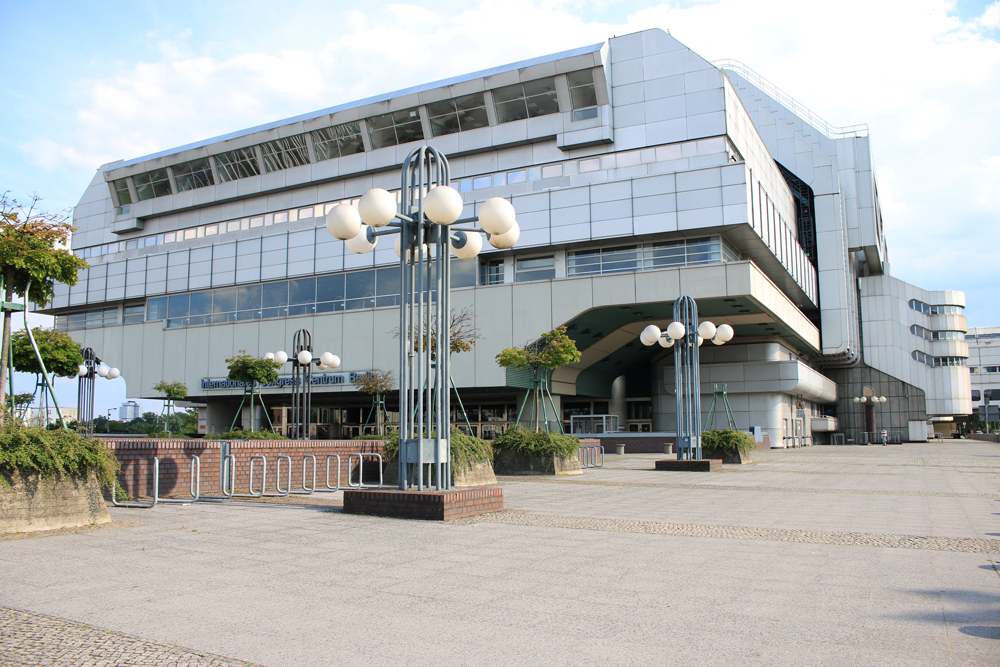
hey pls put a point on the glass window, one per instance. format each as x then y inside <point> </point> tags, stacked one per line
<point>463,272</point>
<point>526,100</point>
<point>330,293</point>
<point>156,308</point>
<point>121,191</point>
<point>338,141</point>
<point>274,295</point>
<point>491,272</point>
<point>360,290</point>
<point>224,305</point>
<point>151,184</point>
<point>387,286</point>
<point>248,302</point>
<point>193,174</point>
<point>664,255</point>
<point>618,260</point>
<point>703,251</point>
<point>239,163</point>
<point>457,115</point>
<point>399,127</point>
<point>583,263</point>
<point>535,268</point>
<point>178,305</point>
<point>201,307</point>
<point>134,314</point>
<point>285,153</point>
<point>583,94</point>
<point>302,290</point>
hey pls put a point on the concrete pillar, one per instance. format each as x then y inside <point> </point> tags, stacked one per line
<point>619,406</point>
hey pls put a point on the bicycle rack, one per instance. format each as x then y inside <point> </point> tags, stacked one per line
<point>589,456</point>
<point>263,481</point>
<point>279,493</point>
<point>361,472</point>
<point>194,484</point>
<point>156,490</point>
<point>228,463</point>
<point>328,487</point>
<point>306,490</point>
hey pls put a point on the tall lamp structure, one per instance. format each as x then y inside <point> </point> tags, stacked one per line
<point>428,224</point>
<point>685,335</point>
<point>869,400</point>
<point>300,423</point>
<point>89,371</point>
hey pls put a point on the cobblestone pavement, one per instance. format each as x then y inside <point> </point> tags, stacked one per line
<point>850,556</point>
<point>36,639</point>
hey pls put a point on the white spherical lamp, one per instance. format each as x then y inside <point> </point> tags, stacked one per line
<point>496,216</point>
<point>676,330</point>
<point>103,371</point>
<point>443,205</point>
<point>507,239</point>
<point>650,335</point>
<point>82,370</point>
<point>700,340</point>
<point>857,400</point>
<point>269,355</point>
<point>882,399</point>
<point>666,341</point>
<point>706,330</point>
<point>718,341</point>
<point>471,246</point>
<point>360,243</point>
<point>343,221</point>
<point>724,333</point>
<point>321,366</point>
<point>330,360</point>
<point>305,357</point>
<point>113,373</point>
<point>377,207</point>
<point>280,356</point>
<point>864,399</point>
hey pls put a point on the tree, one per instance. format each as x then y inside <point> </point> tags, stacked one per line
<point>376,384</point>
<point>31,262</point>
<point>553,350</point>
<point>251,371</point>
<point>60,353</point>
<point>21,403</point>
<point>462,330</point>
<point>174,391</point>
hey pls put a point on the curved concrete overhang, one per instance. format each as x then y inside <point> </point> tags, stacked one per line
<point>736,293</point>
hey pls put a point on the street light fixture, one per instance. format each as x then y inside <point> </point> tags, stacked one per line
<point>88,372</point>
<point>686,338</point>
<point>429,232</point>
<point>302,363</point>
<point>869,400</point>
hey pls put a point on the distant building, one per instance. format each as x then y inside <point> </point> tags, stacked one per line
<point>984,364</point>
<point>45,416</point>
<point>128,411</point>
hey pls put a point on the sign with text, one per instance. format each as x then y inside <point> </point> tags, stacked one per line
<point>318,379</point>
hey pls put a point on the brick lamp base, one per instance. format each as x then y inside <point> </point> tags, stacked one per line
<point>695,465</point>
<point>429,505</point>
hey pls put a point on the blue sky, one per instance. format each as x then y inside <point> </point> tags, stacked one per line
<point>89,83</point>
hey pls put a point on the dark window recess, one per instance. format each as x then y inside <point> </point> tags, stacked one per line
<point>805,217</point>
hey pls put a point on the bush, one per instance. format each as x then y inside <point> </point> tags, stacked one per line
<point>532,444</point>
<point>726,442</point>
<point>465,449</point>
<point>246,435</point>
<point>30,450</point>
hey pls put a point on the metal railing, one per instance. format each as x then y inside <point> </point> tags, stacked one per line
<point>875,438</point>
<point>789,102</point>
<point>361,470</point>
<point>156,490</point>
<point>591,456</point>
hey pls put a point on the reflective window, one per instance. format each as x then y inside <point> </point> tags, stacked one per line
<point>526,100</point>
<point>121,191</point>
<point>387,286</point>
<point>134,314</point>
<point>360,291</point>
<point>330,293</point>
<point>224,305</point>
<point>151,184</point>
<point>458,115</point>
<point>285,153</point>
<point>399,127</point>
<point>338,141</point>
<point>491,272</point>
<point>156,308</point>
<point>193,174</point>
<point>248,302</point>
<point>239,163</point>
<point>463,272</point>
<point>535,268</point>
<point>583,94</point>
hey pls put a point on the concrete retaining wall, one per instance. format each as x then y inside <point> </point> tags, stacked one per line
<point>32,503</point>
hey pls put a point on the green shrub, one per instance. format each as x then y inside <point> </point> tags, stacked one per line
<point>246,435</point>
<point>30,450</point>
<point>726,442</point>
<point>465,449</point>
<point>532,444</point>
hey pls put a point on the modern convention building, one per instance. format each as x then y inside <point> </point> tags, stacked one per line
<point>640,172</point>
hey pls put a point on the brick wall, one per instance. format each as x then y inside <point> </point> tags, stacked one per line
<point>430,505</point>
<point>136,458</point>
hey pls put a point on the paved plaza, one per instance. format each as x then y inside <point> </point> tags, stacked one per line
<point>823,556</point>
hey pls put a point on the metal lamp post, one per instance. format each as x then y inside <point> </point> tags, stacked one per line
<point>869,400</point>
<point>302,364</point>
<point>427,225</point>
<point>685,335</point>
<point>89,371</point>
